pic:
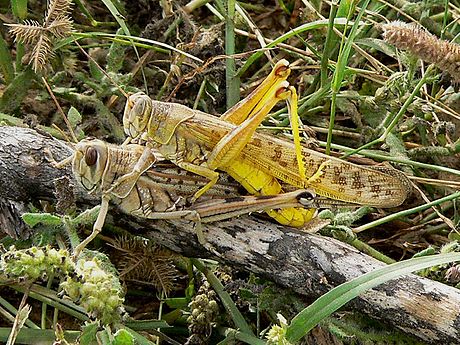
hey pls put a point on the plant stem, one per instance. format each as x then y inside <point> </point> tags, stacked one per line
<point>406,212</point>
<point>232,81</point>
<point>367,249</point>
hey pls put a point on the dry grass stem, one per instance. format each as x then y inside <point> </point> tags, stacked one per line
<point>145,262</point>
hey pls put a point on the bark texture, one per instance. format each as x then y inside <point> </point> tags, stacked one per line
<point>309,264</point>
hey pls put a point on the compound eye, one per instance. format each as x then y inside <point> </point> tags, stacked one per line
<point>91,156</point>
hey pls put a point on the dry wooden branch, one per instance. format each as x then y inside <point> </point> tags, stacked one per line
<point>309,264</point>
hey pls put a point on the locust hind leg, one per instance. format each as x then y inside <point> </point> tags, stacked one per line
<point>221,209</point>
<point>191,215</point>
<point>248,114</point>
<point>292,101</point>
<point>258,182</point>
<point>293,203</point>
<point>231,145</point>
<point>249,106</point>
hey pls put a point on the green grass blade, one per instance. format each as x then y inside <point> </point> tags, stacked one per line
<point>19,8</point>
<point>407,212</point>
<point>386,157</point>
<point>146,325</point>
<point>117,15</point>
<point>86,13</point>
<point>331,40</point>
<point>231,79</point>
<point>6,63</point>
<point>305,27</point>
<point>347,44</point>
<point>337,297</point>
<point>342,60</point>
<point>36,336</point>
<point>131,39</point>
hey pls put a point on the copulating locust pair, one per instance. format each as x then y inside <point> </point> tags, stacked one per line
<point>201,143</point>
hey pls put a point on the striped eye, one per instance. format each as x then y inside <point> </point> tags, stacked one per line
<point>306,197</point>
<point>91,156</point>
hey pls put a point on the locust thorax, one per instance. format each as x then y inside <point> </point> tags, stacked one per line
<point>89,163</point>
<point>137,114</point>
<point>145,119</point>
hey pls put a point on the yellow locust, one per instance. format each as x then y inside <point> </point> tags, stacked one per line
<point>188,154</point>
<point>202,143</point>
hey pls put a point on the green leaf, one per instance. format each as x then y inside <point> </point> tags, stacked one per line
<point>6,63</point>
<point>88,335</point>
<point>32,219</point>
<point>454,236</point>
<point>140,340</point>
<point>16,91</point>
<point>177,302</point>
<point>379,45</point>
<point>74,116</point>
<point>96,73</point>
<point>75,119</point>
<point>116,55</point>
<point>425,252</point>
<point>324,306</point>
<point>19,8</point>
<point>123,337</point>
<point>104,336</point>
<point>247,294</point>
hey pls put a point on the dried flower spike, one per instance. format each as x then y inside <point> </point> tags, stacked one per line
<point>418,41</point>
<point>57,24</point>
<point>143,261</point>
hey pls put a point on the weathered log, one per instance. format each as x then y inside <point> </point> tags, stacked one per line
<point>308,264</point>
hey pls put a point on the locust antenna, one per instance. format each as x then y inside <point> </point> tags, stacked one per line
<point>123,92</point>
<point>63,134</point>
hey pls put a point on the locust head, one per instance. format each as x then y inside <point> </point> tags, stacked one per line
<point>137,114</point>
<point>89,163</point>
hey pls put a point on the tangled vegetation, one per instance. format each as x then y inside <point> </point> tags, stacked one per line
<point>377,82</point>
